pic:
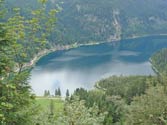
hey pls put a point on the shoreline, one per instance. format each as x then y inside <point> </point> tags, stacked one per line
<point>45,52</point>
<point>153,67</point>
<point>54,49</point>
<point>98,87</point>
<point>143,36</point>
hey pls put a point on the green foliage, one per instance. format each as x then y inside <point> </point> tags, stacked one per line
<point>118,95</point>
<point>14,89</point>
<point>126,87</point>
<point>159,61</point>
<point>75,113</point>
<point>16,100</point>
<point>67,93</point>
<point>31,29</point>
<point>58,92</point>
<point>50,110</point>
<point>44,104</point>
<point>127,100</point>
<point>149,109</point>
<point>83,21</point>
<point>46,93</point>
<point>114,105</point>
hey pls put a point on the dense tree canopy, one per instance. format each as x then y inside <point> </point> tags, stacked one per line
<point>149,109</point>
<point>19,36</point>
<point>159,61</point>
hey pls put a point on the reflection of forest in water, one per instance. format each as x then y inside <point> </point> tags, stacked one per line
<point>83,66</point>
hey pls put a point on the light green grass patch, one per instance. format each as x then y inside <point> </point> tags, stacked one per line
<point>45,103</point>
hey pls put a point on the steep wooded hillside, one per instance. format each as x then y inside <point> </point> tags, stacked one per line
<point>107,20</point>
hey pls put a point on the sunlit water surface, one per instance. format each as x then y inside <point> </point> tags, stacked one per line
<point>83,66</point>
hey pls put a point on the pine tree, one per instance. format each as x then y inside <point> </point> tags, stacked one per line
<point>76,113</point>
<point>59,92</point>
<point>16,99</point>
<point>67,93</point>
<point>56,92</point>
<point>45,93</point>
<point>48,93</point>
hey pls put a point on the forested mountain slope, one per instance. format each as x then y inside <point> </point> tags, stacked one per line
<point>85,20</point>
<point>104,20</point>
<point>159,60</point>
<point>133,100</point>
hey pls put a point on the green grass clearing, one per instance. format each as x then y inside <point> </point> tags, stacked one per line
<point>45,103</point>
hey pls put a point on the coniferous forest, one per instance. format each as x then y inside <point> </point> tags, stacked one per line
<point>27,27</point>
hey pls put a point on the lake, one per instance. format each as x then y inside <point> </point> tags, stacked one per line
<point>83,66</point>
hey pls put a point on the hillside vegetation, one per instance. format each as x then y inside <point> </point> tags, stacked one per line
<point>117,100</point>
<point>159,61</point>
<point>131,100</point>
<point>84,21</point>
<point>96,20</point>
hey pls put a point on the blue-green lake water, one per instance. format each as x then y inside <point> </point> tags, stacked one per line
<point>83,66</point>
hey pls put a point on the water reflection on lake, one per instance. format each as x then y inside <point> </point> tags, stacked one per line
<point>83,66</point>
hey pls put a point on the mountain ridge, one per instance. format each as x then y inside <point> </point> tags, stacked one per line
<point>82,21</point>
